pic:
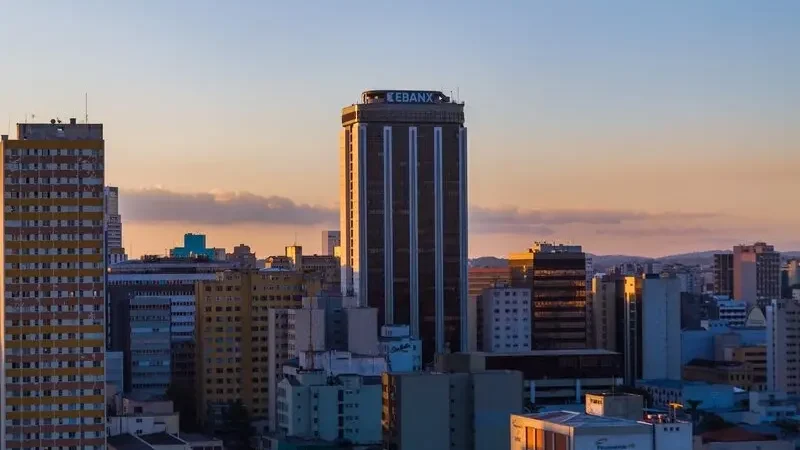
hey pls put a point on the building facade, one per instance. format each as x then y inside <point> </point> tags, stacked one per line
<point>783,344</point>
<point>330,240</point>
<point>506,319</point>
<point>550,377</point>
<point>607,304</point>
<point>54,287</point>
<point>478,279</point>
<point>756,272</point>
<point>159,277</point>
<point>651,321</point>
<point>404,212</point>
<point>113,227</point>
<point>556,276</point>
<point>194,245</point>
<point>149,348</point>
<point>232,331</point>
<point>723,274</point>
<point>325,267</point>
<point>466,410</point>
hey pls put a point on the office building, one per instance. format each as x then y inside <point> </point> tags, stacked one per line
<point>232,353</point>
<point>113,226</point>
<point>783,344</point>
<point>479,279</point>
<point>467,410</point>
<point>150,347</point>
<point>330,240</point>
<point>242,257</point>
<point>731,312</point>
<point>333,326</point>
<point>569,430</point>
<point>550,377</point>
<point>556,276</point>
<point>159,277</point>
<point>506,319</point>
<point>194,246</point>
<point>723,274</point>
<point>54,287</point>
<point>325,267</point>
<point>651,321</point>
<point>404,213</point>
<point>115,372</point>
<point>607,305</point>
<point>756,357</point>
<point>756,272</point>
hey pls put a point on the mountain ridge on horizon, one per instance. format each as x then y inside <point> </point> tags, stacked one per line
<point>603,261</point>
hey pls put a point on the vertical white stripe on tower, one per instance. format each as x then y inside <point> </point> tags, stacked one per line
<point>361,242</point>
<point>345,206</point>
<point>463,228</point>
<point>439,236</point>
<point>388,228</point>
<point>413,233</point>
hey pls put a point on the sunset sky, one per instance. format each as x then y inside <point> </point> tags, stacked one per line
<point>630,127</point>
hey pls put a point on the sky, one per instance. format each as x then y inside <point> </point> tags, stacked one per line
<point>628,127</point>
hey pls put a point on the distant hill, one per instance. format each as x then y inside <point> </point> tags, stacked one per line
<point>602,262</point>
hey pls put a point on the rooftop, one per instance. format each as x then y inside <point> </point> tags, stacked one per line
<point>565,352</point>
<point>678,384</point>
<point>161,439</point>
<point>580,420</point>
<point>127,442</point>
<point>195,437</point>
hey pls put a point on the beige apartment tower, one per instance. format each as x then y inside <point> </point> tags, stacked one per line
<point>233,337</point>
<point>53,390</point>
<point>756,272</point>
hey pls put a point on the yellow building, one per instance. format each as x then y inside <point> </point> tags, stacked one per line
<point>232,332</point>
<point>53,310</point>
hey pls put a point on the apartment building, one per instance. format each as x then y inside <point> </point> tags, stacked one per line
<point>53,377</point>
<point>232,353</point>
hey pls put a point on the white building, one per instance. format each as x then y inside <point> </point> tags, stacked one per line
<point>403,353</point>
<point>566,430</point>
<point>783,344</point>
<point>314,405</point>
<point>652,311</point>
<point>732,312</point>
<point>506,319</point>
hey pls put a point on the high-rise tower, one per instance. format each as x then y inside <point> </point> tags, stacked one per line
<point>53,388</point>
<point>404,212</point>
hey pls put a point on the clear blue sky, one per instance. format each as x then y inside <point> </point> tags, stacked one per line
<point>244,96</point>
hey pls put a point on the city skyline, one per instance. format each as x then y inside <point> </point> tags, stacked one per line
<point>695,152</point>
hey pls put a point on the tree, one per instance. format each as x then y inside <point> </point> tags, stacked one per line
<point>184,402</point>
<point>693,410</point>
<point>237,432</point>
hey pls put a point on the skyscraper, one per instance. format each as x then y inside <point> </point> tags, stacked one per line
<point>556,276</point>
<point>783,343</point>
<point>53,389</point>
<point>404,212</point>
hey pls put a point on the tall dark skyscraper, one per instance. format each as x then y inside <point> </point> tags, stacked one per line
<point>556,276</point>
<point>404,212</point>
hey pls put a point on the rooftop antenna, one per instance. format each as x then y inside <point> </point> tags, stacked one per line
<point>86,107</point>
<point>458,95</point>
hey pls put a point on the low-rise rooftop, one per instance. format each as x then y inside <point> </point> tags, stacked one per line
<point>161,439</point>
<point>127,442</point>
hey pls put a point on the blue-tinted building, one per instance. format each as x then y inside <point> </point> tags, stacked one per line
<point>194,245</point>
<point>150,345</point>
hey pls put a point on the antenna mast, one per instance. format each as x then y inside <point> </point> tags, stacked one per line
<point>86,107</point>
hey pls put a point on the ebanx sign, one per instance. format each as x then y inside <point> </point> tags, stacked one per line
<point>413,97</point>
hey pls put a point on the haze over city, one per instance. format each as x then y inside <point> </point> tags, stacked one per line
<point>224,118</point>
